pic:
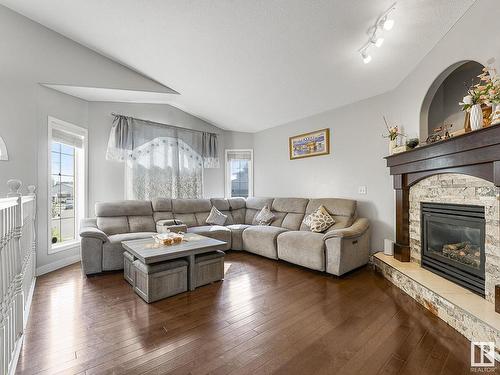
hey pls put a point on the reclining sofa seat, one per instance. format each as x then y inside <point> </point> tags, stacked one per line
<point>115,222</point>
<point>341,248</point>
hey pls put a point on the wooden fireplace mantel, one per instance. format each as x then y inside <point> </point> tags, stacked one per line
<point>476,154</point>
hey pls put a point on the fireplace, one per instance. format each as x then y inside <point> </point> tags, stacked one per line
<point>453,243</point>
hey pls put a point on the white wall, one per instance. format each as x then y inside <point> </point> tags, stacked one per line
<point>356,158</point>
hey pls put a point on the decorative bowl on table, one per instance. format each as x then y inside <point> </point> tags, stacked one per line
<point>168,238</point>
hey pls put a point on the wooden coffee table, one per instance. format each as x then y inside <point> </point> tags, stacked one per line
<point>148,251</point>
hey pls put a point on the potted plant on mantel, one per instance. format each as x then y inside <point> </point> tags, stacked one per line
<point>392,133</point>
<point>482,101</point>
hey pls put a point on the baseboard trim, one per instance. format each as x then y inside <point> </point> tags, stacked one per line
<point>19,345</point>
<point>28,303</point>
<point>56,265</point>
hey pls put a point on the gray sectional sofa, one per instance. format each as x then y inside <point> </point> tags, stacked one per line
<point>341,248</point>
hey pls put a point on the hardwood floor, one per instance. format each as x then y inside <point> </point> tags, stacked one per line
<point>265,317</point>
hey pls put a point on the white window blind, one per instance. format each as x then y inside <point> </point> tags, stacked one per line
<point>239,155</point>
<point>67,138</point>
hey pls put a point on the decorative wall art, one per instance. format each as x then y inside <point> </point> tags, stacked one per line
<point>310,144</point>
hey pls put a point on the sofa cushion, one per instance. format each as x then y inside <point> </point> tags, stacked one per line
<point>237,235</point>
<point>292,205</point>
<point>238,215</point>
<point>289,212</point>
<point>112,224</point>
<point>112,251</point>
<point>264,217</point>
<point>303,248</point>
<point>292,221</point>
<point>188,219</point>
<point>253,206</point>
<point>216,217</point>
<point>162,215</point>
<point>237,203</point>
<point>259,203</point>
<point>162,204</point>
<point>162,209</point>
<point>184,206</point>
<point>141,224</point>
<point>343,211</point>
<point>221,204</point>
<point>217,232</point>
<point>261,240</point>
<point>124,208</point>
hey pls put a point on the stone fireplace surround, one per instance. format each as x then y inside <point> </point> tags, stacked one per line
<point>462,170</point>
<point>460,189</point>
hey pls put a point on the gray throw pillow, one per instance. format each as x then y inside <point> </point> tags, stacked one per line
<point>216,217</point>
<point>265,216</point>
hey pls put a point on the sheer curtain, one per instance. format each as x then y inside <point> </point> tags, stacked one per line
<point>161,161</point>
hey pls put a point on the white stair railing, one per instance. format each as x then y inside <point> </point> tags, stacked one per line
<point>17,270</point>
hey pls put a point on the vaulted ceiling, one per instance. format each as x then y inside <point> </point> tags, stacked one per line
<point>250,65</point>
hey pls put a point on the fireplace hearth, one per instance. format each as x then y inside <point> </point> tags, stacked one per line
<point>453,243</point>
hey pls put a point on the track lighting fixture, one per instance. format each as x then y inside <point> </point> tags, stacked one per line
<point>366,57</point>
<point>383,23</point>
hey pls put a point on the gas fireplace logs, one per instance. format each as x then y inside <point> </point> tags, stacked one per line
<point>463,252</point>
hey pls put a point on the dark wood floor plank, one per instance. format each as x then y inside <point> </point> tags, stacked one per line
<point>265,317</point>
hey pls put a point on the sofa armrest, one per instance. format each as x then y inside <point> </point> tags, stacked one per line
<point>88,229</point>
<point>359,227</point>
<point>347,249</point>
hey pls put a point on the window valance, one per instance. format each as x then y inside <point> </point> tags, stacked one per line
<point>130,137</point>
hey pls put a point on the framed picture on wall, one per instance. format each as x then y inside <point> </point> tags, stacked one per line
<point>310,144</point>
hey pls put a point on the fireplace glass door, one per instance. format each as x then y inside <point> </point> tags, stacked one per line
<point>453,238</point>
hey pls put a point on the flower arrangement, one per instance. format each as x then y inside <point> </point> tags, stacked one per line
<point>487,91</point>
<point>392,131</point>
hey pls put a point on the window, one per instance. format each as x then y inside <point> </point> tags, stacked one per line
<point>67,193</point>
<point>239,173</point>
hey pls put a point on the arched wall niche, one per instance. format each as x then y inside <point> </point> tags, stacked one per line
<point>440,104</point>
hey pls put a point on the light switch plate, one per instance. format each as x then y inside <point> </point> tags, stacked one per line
<point>362,190</point>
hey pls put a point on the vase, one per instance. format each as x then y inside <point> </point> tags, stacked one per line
<point>392,145</point>
<point>495,114</point>
<point>476,117</point>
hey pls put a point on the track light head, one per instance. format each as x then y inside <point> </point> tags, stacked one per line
<point>378,41</point>
<point>366,57</point>
<point>388,24</point>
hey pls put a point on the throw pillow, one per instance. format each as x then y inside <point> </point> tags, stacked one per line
<point>320,220</point>
<point>265,216</point>
<point>216,217</point>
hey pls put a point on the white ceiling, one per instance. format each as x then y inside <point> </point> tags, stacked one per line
<point>250,65</point>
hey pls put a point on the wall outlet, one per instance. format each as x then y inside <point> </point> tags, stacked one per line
<point>362,190</point>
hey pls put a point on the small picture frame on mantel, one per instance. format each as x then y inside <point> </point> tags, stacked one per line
<point>314,143</point>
